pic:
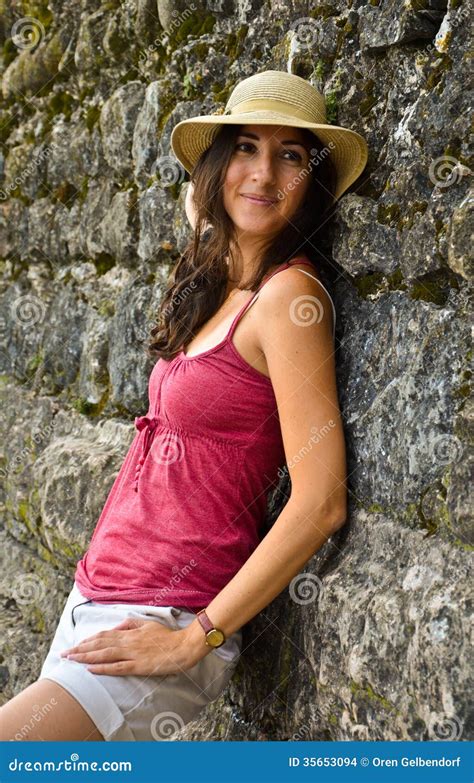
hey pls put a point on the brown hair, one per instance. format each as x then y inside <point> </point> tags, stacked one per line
<point>198,284</point>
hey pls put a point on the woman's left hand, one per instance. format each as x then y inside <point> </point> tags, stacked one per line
<point>136,646</point>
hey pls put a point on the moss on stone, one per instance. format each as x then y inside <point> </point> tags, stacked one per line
<point>375,508</point>
<point>370,100</point>
<point>331,107</point>
<point>234,43</point>
<point>434,286</point>
<point>323,11</point>
<point>195,24</point>
<point>442,64</point>
<point>369,693</point>
<point>61,103</point>
<point>103,262</point>
<point>39,9</point>
<point>388,213</point>
<point>92,115</point>
<point>369,284</point>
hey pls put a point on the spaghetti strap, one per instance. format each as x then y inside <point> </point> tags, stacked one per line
<point>284,266</point>
<point>248,304</point>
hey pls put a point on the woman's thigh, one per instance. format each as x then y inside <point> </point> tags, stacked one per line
<point>46,711</point>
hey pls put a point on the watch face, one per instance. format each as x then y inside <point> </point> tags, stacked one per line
<point>215,637</point>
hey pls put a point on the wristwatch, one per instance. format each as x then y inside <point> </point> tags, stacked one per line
<point>214,636</point>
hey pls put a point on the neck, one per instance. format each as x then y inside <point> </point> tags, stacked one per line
<point>247,254</point>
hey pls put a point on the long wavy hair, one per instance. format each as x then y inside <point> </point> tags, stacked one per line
<point>198,284</point>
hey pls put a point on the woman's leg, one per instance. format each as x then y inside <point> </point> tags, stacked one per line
<point>46,711</point>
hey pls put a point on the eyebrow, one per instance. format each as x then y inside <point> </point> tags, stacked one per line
<point>249,135</point>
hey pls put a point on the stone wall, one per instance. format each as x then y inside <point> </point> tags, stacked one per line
<point>372,640</point>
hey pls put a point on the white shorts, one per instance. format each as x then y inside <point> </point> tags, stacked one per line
<point>135,707</point>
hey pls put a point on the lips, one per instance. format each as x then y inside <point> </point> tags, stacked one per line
<point>259,199</point>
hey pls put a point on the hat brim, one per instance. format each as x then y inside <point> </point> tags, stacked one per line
<point>347,149</point>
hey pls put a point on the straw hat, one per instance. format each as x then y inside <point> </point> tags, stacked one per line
<point>274,98</point>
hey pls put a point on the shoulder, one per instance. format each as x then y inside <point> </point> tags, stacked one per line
<point>292,298</point>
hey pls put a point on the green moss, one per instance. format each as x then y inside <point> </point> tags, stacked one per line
<point>10,51</point>
<point>195,24</point>
<point>368,285</point>
<point>388,213</point>
<point>319,69</point>
<point>434,286</point>
<point>333,719</point>
<point>92,117</point>
<point>442,64</point>
<point>406,222</point>
<point>369,694</point>
<point>103,262</point>
<point>366,103</point>
<point>65,193</point>
<point>106,308</point>
<point>331,107</point>
<point>61,103</point>
<point>39,9</point>
<point>35,362</point>
<point>375,508</point>
<point>323,11</point>
<point>234,43</point>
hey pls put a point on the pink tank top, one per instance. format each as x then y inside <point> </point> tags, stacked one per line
<point>187,507</point>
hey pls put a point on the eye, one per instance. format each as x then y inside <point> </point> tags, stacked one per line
<point>243,144</point>
<point>295,157</point>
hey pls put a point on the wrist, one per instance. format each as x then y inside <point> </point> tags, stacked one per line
<point>193,644</point>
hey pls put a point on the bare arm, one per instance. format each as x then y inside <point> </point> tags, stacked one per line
<point>300,359</point>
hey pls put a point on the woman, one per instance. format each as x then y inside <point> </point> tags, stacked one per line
<point>178,562</point>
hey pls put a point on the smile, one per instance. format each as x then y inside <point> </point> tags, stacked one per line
<point>261,201</point>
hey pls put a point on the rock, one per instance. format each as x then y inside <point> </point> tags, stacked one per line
<point>117,122</point>
<point>368,642</point>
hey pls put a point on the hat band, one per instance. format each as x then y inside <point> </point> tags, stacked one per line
<point>281,107</point>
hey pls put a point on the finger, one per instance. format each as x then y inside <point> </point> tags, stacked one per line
<point>117,668</point>
<point>130,623</point>
<point>106,655</point>
<point>96,642</point>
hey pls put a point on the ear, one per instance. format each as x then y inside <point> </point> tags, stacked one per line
<point>189,205</point>
<point>191,209</point>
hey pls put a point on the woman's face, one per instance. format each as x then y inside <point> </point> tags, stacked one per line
<point>270,162</point>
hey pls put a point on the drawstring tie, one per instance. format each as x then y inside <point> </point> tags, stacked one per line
<point>149,424</point>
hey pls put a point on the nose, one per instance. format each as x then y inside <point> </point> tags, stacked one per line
<point>263,168</point>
